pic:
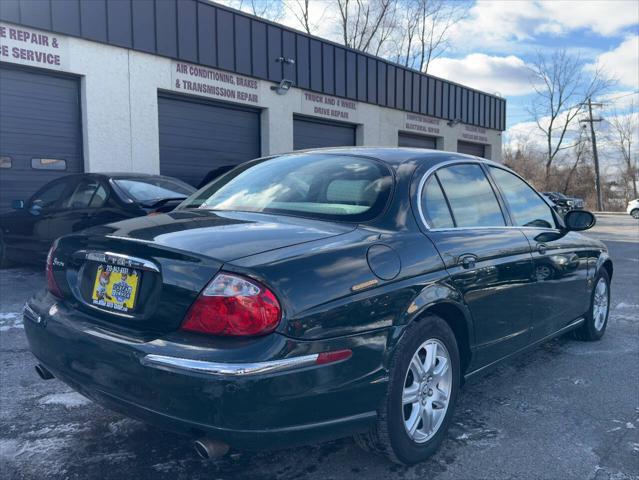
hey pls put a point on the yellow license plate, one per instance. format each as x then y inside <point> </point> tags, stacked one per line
<point>115,287</point>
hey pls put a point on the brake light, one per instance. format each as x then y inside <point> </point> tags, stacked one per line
<point>233,305</point>
<point>52,285</point>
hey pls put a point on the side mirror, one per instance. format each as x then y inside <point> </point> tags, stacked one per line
<point>578,220</point>
<point>17,204</point>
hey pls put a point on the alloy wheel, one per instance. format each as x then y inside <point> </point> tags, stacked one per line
<point>427,390</point>
<point>600,304</point>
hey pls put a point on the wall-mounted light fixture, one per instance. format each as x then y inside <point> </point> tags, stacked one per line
<point>283,87</point>
<point>452,123</point>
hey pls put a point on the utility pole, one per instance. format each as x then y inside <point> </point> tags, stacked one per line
<point>595,157</point>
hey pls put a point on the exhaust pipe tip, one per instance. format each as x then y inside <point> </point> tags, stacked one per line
<point>209,449</point>
<point>43,373</point>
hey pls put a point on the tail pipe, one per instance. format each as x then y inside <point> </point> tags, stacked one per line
<point>43,373</point>
<point>210,449</point>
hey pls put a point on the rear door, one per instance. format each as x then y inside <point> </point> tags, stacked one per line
<point>560,259</point>
<point>80,209</point>
<point>488,261</point>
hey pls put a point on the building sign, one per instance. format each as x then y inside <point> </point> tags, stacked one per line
<point>329,107</point>
<point>29,47</point>
<point>199,80</point>
<point>474,134</point>
<point>421,124</point>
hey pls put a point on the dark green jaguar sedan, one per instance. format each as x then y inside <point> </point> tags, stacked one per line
<point>315,295</point>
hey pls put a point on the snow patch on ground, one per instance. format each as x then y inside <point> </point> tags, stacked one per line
<point>126,426</point>
<point>69,399</point>
<point>9,320</point>
<point>622,305</point>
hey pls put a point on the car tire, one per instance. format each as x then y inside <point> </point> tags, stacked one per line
<point>635,213</point>
<point>597,317</point>
<point>391,436</point>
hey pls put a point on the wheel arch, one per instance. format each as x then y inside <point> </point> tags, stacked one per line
<point>447,303</point>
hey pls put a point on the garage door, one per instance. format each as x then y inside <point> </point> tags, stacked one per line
<point>197,137</point>
<point>468,148</point>
<point>418,141</point>
<point>40,131</point>
<point>312,133</point>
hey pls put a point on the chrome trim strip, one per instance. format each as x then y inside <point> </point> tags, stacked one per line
<point>228,369</point>
<point>121,260</point>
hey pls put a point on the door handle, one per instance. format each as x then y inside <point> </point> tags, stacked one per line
<point>541,248</point>
<point>468,261</point>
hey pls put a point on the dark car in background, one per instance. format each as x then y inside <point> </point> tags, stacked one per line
<point>564,203</point>
<point>75,202</point>
<point>316,295</point>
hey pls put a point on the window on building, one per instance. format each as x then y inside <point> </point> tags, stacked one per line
<point>48,164</point>
<point>5,162</point>
<point>525,205</point>
<point>471,197</point>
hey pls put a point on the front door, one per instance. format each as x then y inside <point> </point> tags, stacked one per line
<point>489,263</point>
<point>560,265</point>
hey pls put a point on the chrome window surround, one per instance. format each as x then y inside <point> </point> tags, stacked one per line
<point>229,369</point>
<point>487,162</point>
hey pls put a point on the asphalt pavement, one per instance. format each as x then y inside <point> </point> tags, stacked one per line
<point>566,410</point>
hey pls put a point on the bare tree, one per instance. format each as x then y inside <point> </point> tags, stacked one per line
<point>361,22</point>
<point>269,9</point>
<point>623,132</point>
<point>581,150</point>
<point>300,10</point>
<point>423,30</point>
<point>562,85</point>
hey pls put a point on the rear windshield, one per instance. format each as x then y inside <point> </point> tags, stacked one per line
<point>339,187</point>
<point>154,189</point>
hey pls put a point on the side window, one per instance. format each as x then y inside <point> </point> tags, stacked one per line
<point>471,197</point>
<point>434,206</point>
<point>526,206</point>
<point>48,195</point>
<point>84,194</point>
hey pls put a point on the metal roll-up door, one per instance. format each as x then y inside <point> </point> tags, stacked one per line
<point>417,141</point>
<point>40,131</point>
<point>314,133</point>
<point>197,136</point>
<point>476,149</point>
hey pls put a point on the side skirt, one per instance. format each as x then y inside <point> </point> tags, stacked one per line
<point>536,343</point>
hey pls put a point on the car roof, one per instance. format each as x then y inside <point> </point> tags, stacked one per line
<point>396,156</point>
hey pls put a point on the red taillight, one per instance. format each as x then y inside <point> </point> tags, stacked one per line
<point>52,285</point>
<point>232,305</point>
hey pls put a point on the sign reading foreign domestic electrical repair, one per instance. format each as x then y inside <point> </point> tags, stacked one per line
<point>198,80</point>
<point>329,107</point>
<point>421,124</point>
<point>475,134</point>
<point>29,47</point>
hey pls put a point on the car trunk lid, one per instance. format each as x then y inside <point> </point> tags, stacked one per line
<point>140,276</point>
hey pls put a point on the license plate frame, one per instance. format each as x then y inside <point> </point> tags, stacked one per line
<point>124,280</point>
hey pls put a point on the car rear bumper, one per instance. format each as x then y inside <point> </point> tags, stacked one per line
<point>273,397</point>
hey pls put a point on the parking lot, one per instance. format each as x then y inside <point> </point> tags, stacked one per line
<point>565,410</point>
